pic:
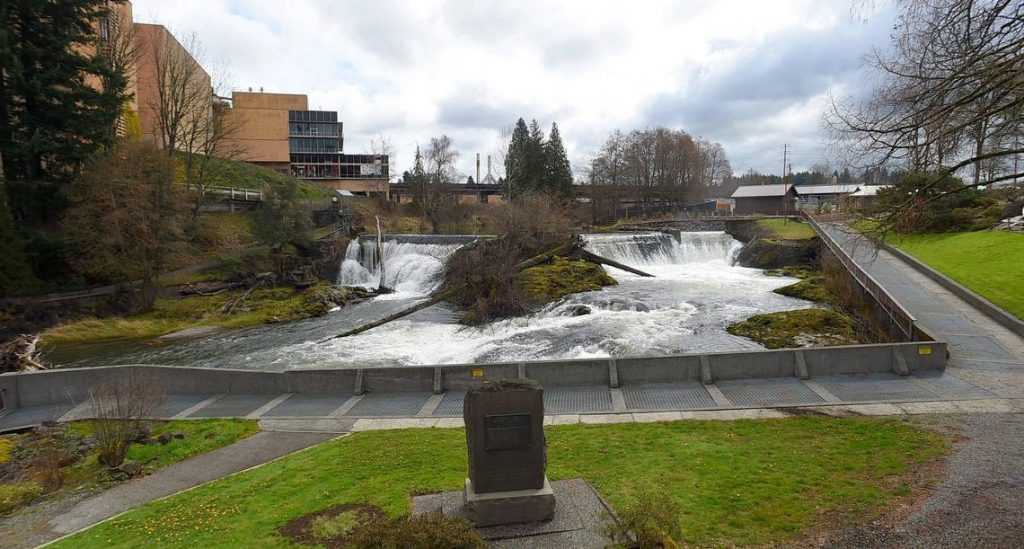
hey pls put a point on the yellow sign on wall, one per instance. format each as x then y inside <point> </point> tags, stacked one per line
<point>478,372</point>
<point>924,350</point>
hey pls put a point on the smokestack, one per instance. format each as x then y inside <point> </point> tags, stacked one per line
<point>488,164</point>
<point>477,180</point>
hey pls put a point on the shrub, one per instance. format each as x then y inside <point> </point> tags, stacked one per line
<point>648,519</point>
<point>421,532</point>
<point>120,407</point>
<point>17,494</point>
<point>483,275</point>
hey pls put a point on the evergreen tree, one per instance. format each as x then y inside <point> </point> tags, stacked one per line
<point>535,159</point>
<point>517,162</point>
<point>15,274</point>
<point>557,170</point>
<point>53,115</point>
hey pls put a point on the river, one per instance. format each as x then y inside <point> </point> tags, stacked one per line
<point>695,294</point>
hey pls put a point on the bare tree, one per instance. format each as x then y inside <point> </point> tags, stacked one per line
<point>440,171</point>
<point>183,94</point>
<point>120,405</point>
<point>382,150</point>
<point>122,52</point>
<point>950,99</point>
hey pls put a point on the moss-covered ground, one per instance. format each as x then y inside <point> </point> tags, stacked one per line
<point>740,483</point>
<point>785,229</point>
<point>813,327</point>
<point>262,306</point>
<point>561,277</point>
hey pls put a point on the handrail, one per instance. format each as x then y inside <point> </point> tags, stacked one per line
<point>235,193</point>
<point>901,317</point>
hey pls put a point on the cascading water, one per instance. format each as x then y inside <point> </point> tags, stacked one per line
<point>644,249</point>
<point>413,264</point>
<point>695,293</point>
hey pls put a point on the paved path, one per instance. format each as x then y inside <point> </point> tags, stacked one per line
<point>244,454</point>
<point>983,352</point>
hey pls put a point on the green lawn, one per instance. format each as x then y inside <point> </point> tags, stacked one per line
<point>785,229</point>
<point>990,263</point>
<point>739,483</point>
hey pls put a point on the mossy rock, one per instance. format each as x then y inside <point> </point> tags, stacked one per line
<point>794,271</point>
<point>776,254</point>
<point>811,288</point>
<point>800,328</point>
<point>562,277</point>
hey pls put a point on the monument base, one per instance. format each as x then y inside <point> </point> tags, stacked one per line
<point>512,507</point>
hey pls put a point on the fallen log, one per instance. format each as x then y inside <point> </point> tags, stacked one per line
<point>437,298</point>
<point>594,258</point>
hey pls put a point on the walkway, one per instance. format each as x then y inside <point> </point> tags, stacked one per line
<point>983,352</point>
<point>49,523</point>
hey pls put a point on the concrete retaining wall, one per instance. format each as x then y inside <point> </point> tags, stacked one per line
<point>72,385</point>
<point>990,309</point>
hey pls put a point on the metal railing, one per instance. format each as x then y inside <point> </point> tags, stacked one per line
<point>234,193</point>
<point>901,318</point>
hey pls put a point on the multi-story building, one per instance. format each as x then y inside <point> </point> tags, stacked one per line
<point>278,131</point>
<point>169,80</point>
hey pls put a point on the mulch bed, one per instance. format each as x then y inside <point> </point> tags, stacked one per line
<point>300,529</point>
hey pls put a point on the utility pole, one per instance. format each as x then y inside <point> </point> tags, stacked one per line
<point>785,194</point>
<point>785,151</point>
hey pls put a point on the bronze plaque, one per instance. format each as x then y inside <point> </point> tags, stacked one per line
<point>508,432</point>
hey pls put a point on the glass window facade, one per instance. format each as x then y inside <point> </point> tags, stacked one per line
<point>313,145</point>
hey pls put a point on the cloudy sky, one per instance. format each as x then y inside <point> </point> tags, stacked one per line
<point>753,75</point>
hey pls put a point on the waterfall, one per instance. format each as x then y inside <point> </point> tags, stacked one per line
<point>413,263</point>
<point>639,249</point>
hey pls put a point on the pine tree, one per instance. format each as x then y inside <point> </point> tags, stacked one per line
<point>517,162</point>
<point>15,274</point>
<point>535,159</point>
<point>557,170</point>
<point>52,116</point>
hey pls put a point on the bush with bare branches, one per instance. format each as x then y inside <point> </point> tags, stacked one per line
<point>120,407</point>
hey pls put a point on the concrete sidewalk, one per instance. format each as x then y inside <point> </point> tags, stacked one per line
<point>982,351</point>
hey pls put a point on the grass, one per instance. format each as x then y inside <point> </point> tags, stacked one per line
<point>811,287</point>
<point>6,444</point>
<point>785,229</point>
<point>738,483</point>
<point>799,328</point>
<point>243,175</point>
<point>263,306</point>
<point>86,472</point>
<point>990,263</point>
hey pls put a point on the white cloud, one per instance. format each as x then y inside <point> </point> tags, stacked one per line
<point>749,74</point>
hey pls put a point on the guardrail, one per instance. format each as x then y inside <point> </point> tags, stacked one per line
<point>234,193</point>
<point>72,385</point>
<point>901,318</point>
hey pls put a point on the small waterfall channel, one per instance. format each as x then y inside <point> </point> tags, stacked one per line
<point>647,249</point>
<point>412,263</point>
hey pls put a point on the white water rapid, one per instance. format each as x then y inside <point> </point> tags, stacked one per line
<point>697,291</point>
<point>413,264</point>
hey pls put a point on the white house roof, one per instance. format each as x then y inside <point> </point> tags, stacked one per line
<point>758,191</point>
<point>825,189</point>
<point>868,190</point>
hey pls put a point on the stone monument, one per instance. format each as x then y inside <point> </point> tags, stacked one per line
<point>507,454</point>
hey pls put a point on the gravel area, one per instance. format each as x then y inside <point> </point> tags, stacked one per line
<point>978,503</point>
